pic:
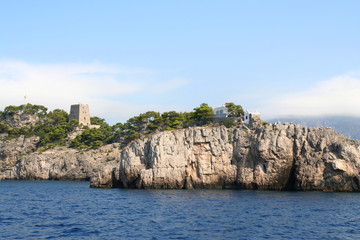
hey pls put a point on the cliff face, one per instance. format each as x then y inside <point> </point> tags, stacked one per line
<point>20,157</point>
<point>268,157</point>
<point>12,150</point>
<point>62,164</point>
<point>274,157</point>
<point>21,119</point>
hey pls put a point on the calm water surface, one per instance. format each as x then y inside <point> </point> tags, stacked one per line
<point>72,210</point>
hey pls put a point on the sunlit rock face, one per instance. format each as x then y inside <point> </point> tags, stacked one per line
<point>271,156</point>
<point>261,156</point>
<point>62,163</point>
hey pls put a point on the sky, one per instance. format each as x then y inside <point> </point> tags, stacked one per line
<point>124,58</point>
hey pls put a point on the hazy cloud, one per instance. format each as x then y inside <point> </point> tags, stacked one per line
<point>60,85</point>
<point>169,85</point>
<point>336,96</point>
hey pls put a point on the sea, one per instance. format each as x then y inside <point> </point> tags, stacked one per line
<point>73,210</point>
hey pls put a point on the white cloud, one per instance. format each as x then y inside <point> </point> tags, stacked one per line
<point>100,85</point>
<point>336,96</point>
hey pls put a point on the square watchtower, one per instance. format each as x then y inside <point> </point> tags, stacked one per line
<point>81,113</point>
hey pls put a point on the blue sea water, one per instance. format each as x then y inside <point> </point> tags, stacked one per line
<point>72,210</point>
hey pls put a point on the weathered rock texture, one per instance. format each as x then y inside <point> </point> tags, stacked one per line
<point>273,156</point>
<point>64,164</point>
<point>21,119</point>
<point>12,150</point>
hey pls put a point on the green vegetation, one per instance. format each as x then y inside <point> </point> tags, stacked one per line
<point>202,114</point>
<point>228,122</point>
<point>94,137</point>
<point>54,128</point>
<point>234,110</point>
<point>25,108</point>
<point>90,138</point>
<point>173,120</point>
<point>4,128</point>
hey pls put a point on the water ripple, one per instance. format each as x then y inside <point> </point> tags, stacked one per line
<point>72,210</point>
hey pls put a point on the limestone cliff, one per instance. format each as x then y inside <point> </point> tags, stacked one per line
<point>12,150</point>
<point>61,163</point>
<point>273,157</point>
<point>21,157</point>
<point>21,119</point>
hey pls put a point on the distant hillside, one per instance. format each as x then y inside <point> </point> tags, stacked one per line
<point>349,126</point>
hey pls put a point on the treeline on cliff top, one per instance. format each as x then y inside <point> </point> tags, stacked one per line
<point>54,128</point>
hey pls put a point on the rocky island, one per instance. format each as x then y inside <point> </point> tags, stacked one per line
<point>255,155</point>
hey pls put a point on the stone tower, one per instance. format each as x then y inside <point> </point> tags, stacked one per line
<point>81,113</point>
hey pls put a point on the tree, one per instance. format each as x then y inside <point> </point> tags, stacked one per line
<point>203,114</point>
<point>4,127</point>
<point>228,123</point>
<point>234,110</point>
<point>39,110</point>
<point>172,120</point>
<point>58,116</point>
<point>10,110</point>
<point>98,121</point>
<point>153,121</point>
<point>91,137</point>
<point>96,137</point>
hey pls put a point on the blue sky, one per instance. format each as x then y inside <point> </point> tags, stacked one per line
<point>126,57</point>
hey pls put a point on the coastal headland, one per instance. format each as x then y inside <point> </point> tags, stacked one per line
<point>259,155</point>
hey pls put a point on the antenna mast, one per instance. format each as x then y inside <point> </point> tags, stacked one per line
<point>25,102</point>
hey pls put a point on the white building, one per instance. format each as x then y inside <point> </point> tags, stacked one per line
<point>250,116</point>
<point>221,111</point>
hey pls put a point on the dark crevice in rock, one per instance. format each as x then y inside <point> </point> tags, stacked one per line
<point>291,182</point>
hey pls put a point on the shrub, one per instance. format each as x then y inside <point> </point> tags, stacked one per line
<point>228,123</point>
<point>4,128</point>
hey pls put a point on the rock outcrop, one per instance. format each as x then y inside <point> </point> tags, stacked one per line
<point>21,119</point>
<point>273,156</point>
<point>63,163</point>
<point>107,177</point>
<point>14,149</point>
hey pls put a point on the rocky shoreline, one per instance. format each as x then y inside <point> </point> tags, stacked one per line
<point>60,163</point>
<point>267,157</point>
<point>271,157</point>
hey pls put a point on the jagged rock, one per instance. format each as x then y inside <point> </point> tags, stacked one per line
<point>197,157</point>
<point>64,164</point>
<point>272,156</point>
<point>12,150</point>
<point>107,177</point>
<point>21,119</point>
